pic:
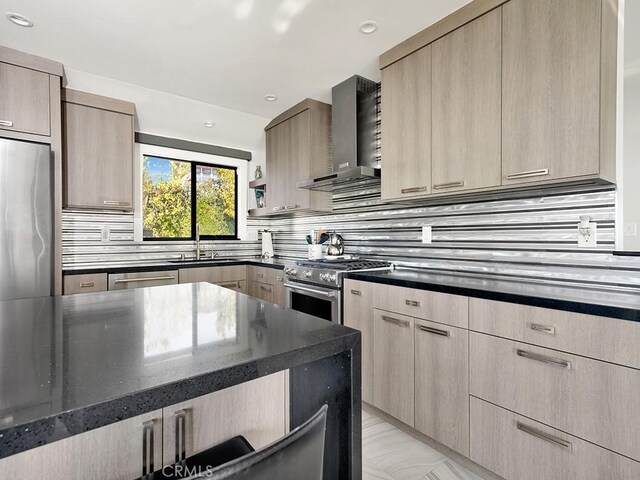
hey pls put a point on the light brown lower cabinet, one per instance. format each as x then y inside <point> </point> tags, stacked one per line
<point>358,314</point>
<point>442,384</point>
<point>280,293</point>
<point>255,409</point>
<point>93,282</point>
<point>113,452</point>
<point>262,291</point>
<point>518,448</point>
<point>393,365</point>
<point>237,285</point>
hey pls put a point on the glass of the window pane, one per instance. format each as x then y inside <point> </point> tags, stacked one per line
<point>166,198</point>
<point>216,201</point>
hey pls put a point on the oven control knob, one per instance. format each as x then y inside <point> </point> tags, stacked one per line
<point>331,277</point>
<point>324,277</point>
<point>307,274</point>
<point>290,272</point>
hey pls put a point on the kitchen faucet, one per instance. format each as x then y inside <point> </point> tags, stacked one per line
<point>200,251</point>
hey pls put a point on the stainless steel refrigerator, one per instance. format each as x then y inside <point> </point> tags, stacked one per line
<point>26,217</point>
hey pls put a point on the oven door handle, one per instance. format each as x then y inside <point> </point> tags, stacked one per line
<point>329,294</point>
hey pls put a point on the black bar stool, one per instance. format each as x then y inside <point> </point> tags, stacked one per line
<point>297,455</point>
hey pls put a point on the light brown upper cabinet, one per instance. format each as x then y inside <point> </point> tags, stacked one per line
<point>551,89</point>
<point>406,126</point>
<point>98,147</point>
<point>298,147</point>
<point>466,106</point>
<point>24,102</point>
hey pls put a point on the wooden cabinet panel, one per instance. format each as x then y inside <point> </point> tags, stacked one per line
<point>393,368</point>
<point>255,409</point>
<point>262,291</point>
<point>551,87</point>
<point>442,384</point>
<point>261,274</point>
<point>609,339</point>
<point>280,293</point>
<point>593,400</point>
<point>99,157</point>
<point>466,67</point>
<point>94,282</point>
<point>358,314</point>
<point>24,103</point>
<point>113,452</point>
<point>434,306</point>
<point>518,448</point>
<point>222,274</point>
<point>277,159</point>
<point>406,126</point>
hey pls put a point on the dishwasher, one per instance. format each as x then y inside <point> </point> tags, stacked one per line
<point>124,281</point>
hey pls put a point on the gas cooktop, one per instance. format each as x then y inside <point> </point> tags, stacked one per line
<point>344,264</point>
<point>330,272</point>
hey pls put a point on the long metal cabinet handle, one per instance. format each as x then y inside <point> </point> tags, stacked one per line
<point>181,435</point>
<point>412,303</point>
<point>536,327</point>
<point>413,190</point>
<point>235,284</point>
<point>435,331</point>
<point>6,123</point>
<point>356,292</point>
<point>396,321</point>
<point>146,279</point>
<point>147,449</point>
<point>544,359</point>
<point>528,173</point>
<point>117,203</point>
<point>87,284</point>
<point>544,436</point>
<point>439,186</point>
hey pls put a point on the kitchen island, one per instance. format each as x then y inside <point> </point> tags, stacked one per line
<point>73,365</point>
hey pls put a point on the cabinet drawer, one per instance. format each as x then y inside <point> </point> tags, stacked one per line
<point>517,448</point>
<point>237,285</point>
<point>393,368</point>
<point>608,339</point>
<point>434,306</point>
<point>213,274</point>
<point>261,274</point>
<point>262,291</point>
<point>24,103</point>
<point>125,281</point>
<point>593,400</point>
<point>442,384</point>
<point>94,282</point>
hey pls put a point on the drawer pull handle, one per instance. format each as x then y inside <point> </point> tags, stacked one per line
<point>6,123</point>
<point>277,209</point>
<point>544,436</point>
<point>449,185</point>
<point>291,207</point>
<point>235,284</point>
<point>87,284</point>
<point>260,275</point>
<point>356,292</point>
<point>396,321</point>
<point>412,303</point>
<point>536,327</point>
<point>544,359</point>
<point>280,279</point>
<point>435,331</point>
<point>265,289</point>
<point>147,449</point>
<point>144,279</point>
<point>181,435</point>
<point>413,190</point>
<point>117,203</point>
<point>529,173</point>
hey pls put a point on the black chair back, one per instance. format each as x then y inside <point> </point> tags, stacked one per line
<point>296,456</point>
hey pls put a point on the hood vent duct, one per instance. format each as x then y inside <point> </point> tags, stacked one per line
<point>354,121</point>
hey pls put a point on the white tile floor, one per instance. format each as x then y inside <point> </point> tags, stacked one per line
<point>390,454</point>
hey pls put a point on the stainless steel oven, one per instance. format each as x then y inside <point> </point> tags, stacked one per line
<point>315,300</point>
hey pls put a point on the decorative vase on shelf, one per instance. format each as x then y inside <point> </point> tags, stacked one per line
<point>258,172</point>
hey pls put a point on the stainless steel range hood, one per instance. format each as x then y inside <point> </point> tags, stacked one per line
<point>353,119</point>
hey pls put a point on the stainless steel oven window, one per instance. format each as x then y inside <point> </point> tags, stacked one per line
<point>321,302</point>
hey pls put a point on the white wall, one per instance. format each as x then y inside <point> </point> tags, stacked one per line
<point>168,115</point>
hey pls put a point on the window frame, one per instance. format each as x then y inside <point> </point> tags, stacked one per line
<point>193,164</point>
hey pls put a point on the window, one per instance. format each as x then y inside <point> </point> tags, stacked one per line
<point>173,204</point>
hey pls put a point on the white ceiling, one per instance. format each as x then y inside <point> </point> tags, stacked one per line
<point>224,52</point>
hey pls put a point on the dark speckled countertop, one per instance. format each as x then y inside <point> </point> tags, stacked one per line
<point>69,364</point>
<point>620,303</point>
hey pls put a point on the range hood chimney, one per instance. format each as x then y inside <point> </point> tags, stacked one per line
<point>353,121</point>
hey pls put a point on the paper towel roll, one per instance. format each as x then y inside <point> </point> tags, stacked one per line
<point>267,245</point>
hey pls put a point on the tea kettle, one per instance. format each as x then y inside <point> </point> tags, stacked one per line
<point>336,245</point>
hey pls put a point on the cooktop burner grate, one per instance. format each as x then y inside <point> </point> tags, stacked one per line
<point>358,264</point>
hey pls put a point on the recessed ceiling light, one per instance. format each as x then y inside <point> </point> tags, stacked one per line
<point>270,98</point>
<point>368,26</point>
<point>209,124</point>
<point>19,20</point>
